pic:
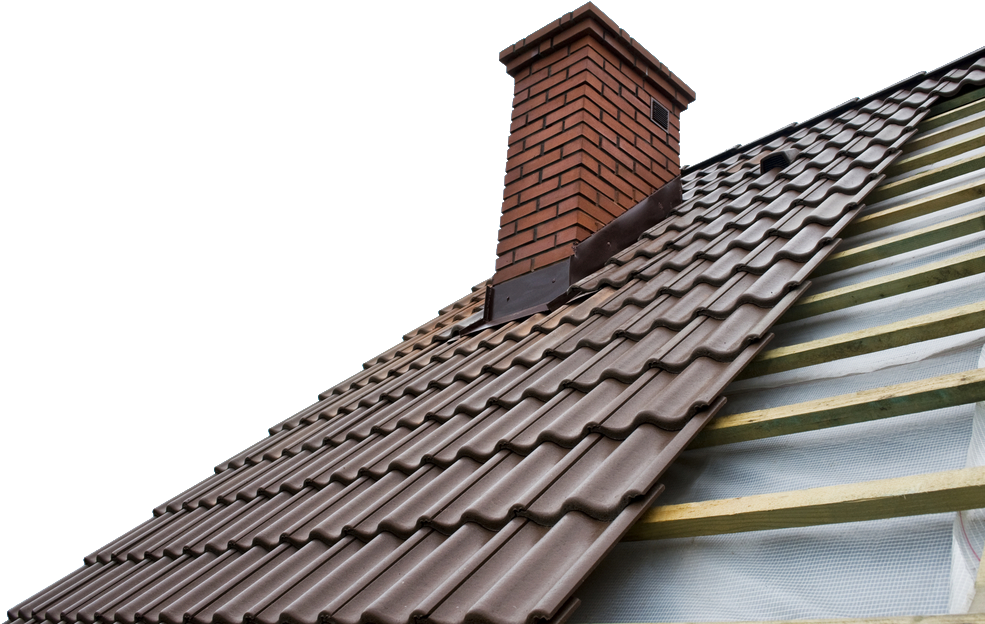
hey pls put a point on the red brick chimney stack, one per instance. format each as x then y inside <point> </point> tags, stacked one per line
<point>583,146</point>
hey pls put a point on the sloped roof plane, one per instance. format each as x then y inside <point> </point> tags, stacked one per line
<point>481,478</point>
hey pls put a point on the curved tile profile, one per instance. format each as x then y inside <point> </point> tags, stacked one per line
<point>481,477</point>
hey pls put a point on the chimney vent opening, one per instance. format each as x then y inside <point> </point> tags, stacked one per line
<point>658,114</point>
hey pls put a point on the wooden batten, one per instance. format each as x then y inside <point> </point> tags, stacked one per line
<point>916,208</point>
<point>906,398</point>
<point>927,178</point>
<point>910,241</point>
<point>936,492</point>
<point>931,274</point>
<point>918,329</point>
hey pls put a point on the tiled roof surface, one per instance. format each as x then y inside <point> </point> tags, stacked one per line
<point>481,478</point>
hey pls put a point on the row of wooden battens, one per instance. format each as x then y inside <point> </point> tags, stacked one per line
<point>951,130</point>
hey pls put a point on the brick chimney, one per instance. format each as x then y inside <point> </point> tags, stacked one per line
<point>595,131</point>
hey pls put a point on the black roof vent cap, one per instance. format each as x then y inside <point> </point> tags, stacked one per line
<point>781,159</point>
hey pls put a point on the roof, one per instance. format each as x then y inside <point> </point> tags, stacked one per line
<point>482,477</point>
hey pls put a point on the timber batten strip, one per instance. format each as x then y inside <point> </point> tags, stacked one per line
<point>917,329</point>
<point>926,139</point>
<point>916,208</point>
<point>888,286</point>
<point>951,111</point>
<point>846,409</point>
<point>936,492</point>
<point>956,102</point>
<point>972,141</point>
<point>927,178</point>
<point>917,239</point>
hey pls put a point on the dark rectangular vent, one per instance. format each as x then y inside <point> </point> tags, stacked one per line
<point>658,114</point>
<point>777,160</point>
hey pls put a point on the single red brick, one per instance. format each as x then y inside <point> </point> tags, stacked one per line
<point>575,160</point>
<point>637,73</point>
<point>518,123</point>
<point>513,150</point>
<point>650,177</point>
<point>527,130</point>
<point>637,105</point>
<point>601,129</point>
<point>638,156</point>
<point>630,122</point>
<point>597,183</point>
<point>519,98</point>
<point>547,107</point>
<point>573,82</point>
<point>589,208</point>
<point>566,110</point>
<point>587,92</point>
<point>523,157</point>
<point>583,131</point>
<point>572,234</point>
<point>619,129</point>
<point>504,260</point>
<point>536,218</point>
<point>528,104</point>
<point>615,97</point>
<point>618,182</point>
<point>555,255</point>
<point>514,241</point>
<point>654,157</point>
<point>538,190</point>
<point>623,79</point>
<point>614,208</point>
<point>582,144</point>
<point>576,56</point>
<point>518,268</point>
<point>511,176</point>
<point>507,229</point>
<point>534,248</point>
<point>547,83</point>
<point>542,161</point>
<point>510,216</point>
<point>570,219</point>
<point>550,59</point>
<point>519,185</point>
<point>542,135</point>
<point>576,188</point>
<point>602,75</point>
<point>635,181</point>
<point>602,49</point>
<point>665,149</point>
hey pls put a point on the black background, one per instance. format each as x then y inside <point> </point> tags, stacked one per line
<point>291,195</point>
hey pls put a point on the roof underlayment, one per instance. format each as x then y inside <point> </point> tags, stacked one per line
<point>481,478</point>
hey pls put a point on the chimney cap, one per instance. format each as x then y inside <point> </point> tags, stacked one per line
<point>596,23</point>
